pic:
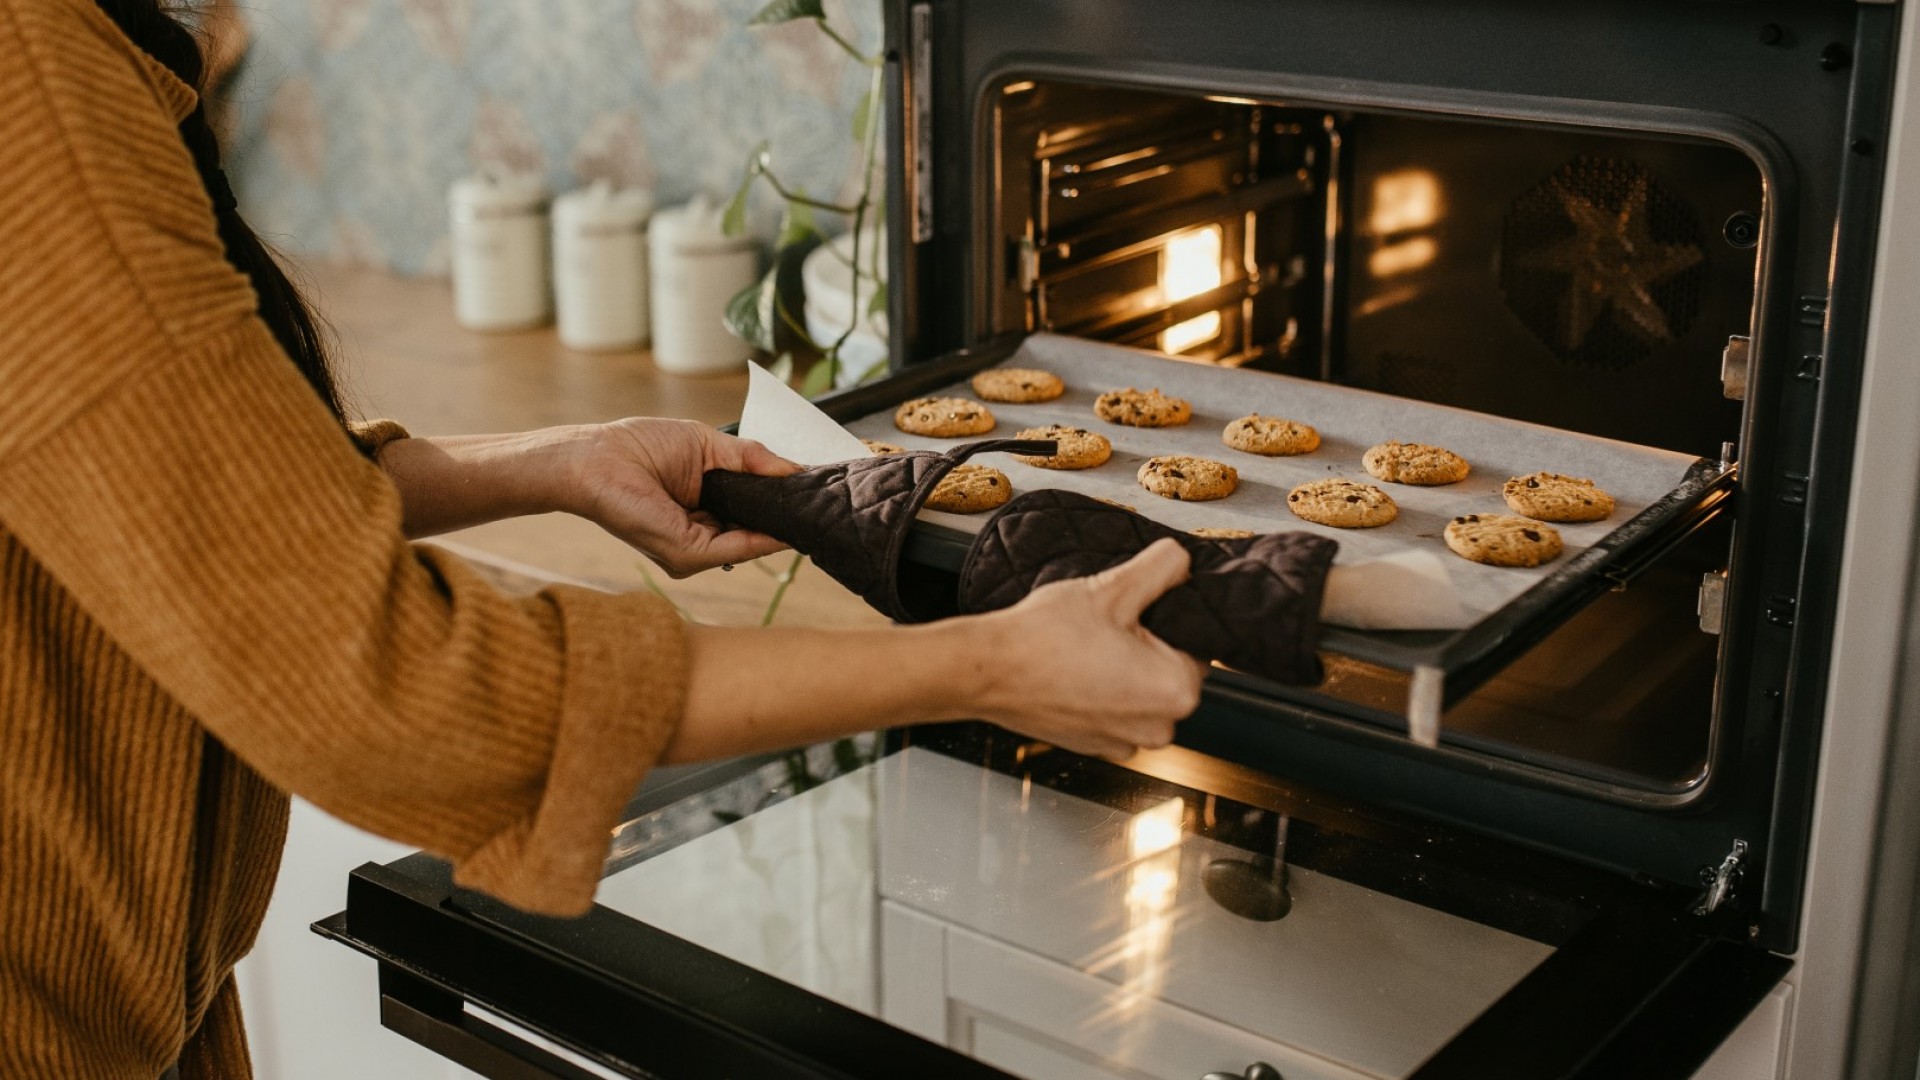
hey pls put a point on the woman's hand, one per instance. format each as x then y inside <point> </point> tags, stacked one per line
<point>1072,665</point>
<point>639,479</point>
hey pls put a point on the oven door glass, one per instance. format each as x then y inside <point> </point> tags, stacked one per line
<point>959,901</point>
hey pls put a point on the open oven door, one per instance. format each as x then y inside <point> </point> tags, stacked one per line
<point>957,901</point>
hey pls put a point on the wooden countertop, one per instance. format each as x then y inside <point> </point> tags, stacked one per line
<point>401,355</point>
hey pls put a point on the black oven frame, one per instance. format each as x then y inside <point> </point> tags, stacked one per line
<point>1802,89</point>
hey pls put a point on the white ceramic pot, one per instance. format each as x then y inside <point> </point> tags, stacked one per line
<point>696,269</point>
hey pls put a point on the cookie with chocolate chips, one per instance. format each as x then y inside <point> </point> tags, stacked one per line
<point>1218,532</point>
<point>878,447</point>
<point>1342,503</point>
<point>1552,497</point>
<point>1076,448</point>
<point>943,417</point>
<point>970,489</point>
<point>1414,463</point>
<point>1502,539</point>
<point>1184,478</point>
<point>1018,386</point>
<point>1270,436</point>
<point>1142,408</point>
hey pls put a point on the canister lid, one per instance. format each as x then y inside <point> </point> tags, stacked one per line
<point>602,204</point>
<point>695,226</point>
<point>492,190</point>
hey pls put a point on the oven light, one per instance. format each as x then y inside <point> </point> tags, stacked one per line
<point>1155,829</point>
<point>1189,266</point>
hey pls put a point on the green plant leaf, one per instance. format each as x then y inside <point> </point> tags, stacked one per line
<point>796,224</point>
<point>734,221</point>
<point>749,315</point>
<point>863,114</point>
<point>779,11</point>
<point>877,304</point>
<point>819,378</point>
<point>874,373</point>
<point>782,369</point>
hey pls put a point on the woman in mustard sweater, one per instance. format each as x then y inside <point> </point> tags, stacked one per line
<point>208,600</point>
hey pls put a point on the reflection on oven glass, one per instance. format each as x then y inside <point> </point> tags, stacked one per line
<point>1404,200</point>
<point>1406,203</point>
<point>1031,927</point>
<point>1189,266</point>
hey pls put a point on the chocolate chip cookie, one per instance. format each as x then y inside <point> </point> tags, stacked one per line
<point>1502,539</point>
<point>969,489</point>
<point>943,417</point>
<point>1270,436</point>
<point>1215,532</point>
<point>1185,478</point>
<point>1078,448</point>
<point>1553,497</point>
<point>1414,463</point>
<point>1018,385</point>
<point>1142,408</point>
<point>1342,503</point>
<point>878,447</point>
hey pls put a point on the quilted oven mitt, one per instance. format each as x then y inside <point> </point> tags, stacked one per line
<point>1253,604</point>
<point>851,518</point>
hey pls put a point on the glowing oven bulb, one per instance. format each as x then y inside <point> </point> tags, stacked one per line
<point>1189,266</point>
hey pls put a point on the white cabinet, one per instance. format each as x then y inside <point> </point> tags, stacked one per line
<point>309,1011</point>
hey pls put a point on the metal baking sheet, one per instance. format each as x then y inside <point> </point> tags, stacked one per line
<point>1400,576</point>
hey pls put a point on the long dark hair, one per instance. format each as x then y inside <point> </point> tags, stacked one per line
<point>152,26</point>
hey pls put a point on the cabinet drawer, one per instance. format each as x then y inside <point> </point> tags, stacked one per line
<point>1133,1031</point>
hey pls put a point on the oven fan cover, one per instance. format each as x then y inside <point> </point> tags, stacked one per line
<point>1602,264</point>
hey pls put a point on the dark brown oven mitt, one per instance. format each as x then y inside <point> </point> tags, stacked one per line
<point>1253,604</point>
<point>852,517</point>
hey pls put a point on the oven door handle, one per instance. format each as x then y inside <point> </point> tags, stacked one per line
<point>440,1021</point>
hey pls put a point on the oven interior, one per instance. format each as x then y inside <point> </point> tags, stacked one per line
<point>1584,278</point>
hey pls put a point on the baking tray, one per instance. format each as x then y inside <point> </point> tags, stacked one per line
<point>1662,498</point>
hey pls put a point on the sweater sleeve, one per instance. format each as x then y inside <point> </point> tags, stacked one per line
<point>177,476</point>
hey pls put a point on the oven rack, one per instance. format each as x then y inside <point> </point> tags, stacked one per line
<point>1443,666</point>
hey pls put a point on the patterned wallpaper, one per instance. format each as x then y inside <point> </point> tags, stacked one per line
<point>351,117</point>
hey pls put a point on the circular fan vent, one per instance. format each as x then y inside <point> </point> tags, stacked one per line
<point>1601,264</point>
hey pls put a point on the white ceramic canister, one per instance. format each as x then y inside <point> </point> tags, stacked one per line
<point>600,267</point>
<point>500,277</point>
<point>696,269</point>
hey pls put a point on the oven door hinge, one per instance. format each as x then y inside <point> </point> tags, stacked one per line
<point>1720,881</point>
<point>1733,366</point>
<point>1712,604</point>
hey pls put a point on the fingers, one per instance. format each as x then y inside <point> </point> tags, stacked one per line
<point>740,545</point>
<point>1138,582</point>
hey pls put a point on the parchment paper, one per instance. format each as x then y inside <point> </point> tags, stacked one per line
<point>1397,577</point>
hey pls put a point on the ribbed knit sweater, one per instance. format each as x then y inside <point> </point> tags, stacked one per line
<point>206,603</point>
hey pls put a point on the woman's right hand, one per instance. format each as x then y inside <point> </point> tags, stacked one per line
<point>1071,664</point>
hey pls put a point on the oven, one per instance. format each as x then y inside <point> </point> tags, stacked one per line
<point>1569,837</point>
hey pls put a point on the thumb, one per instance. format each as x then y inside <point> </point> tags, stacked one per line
<point>1135,584</point>
<point>735,454</point>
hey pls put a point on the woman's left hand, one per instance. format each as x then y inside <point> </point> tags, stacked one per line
<point>639,479</point>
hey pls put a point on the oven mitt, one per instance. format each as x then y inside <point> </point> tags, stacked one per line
<point>852,517</point>
<point>1253,604</point>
